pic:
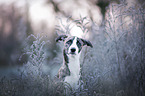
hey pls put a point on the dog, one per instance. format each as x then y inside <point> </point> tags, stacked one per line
<point>70,70</point>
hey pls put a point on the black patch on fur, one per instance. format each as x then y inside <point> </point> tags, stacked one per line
<point>69,42</point>
<point>65,57</point>
<point>88,43</point>
<point>79,43</point>
<point>61,38</point>
<point>63,72</point>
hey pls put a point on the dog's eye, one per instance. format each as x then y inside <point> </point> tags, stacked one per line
<point>69,42</point>
<point>66,45</point>
<point>79,44</point>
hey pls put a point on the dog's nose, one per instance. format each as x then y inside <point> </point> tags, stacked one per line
<point>73,49</point>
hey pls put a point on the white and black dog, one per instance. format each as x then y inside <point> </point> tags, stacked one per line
<point>70,70</point>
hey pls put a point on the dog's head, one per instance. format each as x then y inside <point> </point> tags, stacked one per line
<point>73,44</point>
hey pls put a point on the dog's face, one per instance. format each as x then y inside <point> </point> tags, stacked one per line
<point>73,44</point>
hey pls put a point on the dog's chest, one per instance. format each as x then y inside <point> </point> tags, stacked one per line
<point>74,67</point>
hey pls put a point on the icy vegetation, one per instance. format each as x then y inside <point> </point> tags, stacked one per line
<point>115,66</point>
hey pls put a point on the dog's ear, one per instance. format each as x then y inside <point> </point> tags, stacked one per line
<point>61,38</point>
<point>86,42</point>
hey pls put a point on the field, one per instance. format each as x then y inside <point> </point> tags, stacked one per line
<point>115,66</point>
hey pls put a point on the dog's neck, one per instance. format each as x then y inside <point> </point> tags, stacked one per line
<point>73,65</point>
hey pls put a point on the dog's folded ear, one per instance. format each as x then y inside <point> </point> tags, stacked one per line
<point>61,38</point>
<point>86,42</point>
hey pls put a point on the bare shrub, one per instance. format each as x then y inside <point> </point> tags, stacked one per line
<point>114,67</point>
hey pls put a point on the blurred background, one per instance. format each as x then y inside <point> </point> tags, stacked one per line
<point>116,28</point>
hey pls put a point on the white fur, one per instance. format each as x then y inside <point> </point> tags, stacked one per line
<point>74,67</point>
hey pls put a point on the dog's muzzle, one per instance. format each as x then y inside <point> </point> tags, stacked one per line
<point>73,50</point>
